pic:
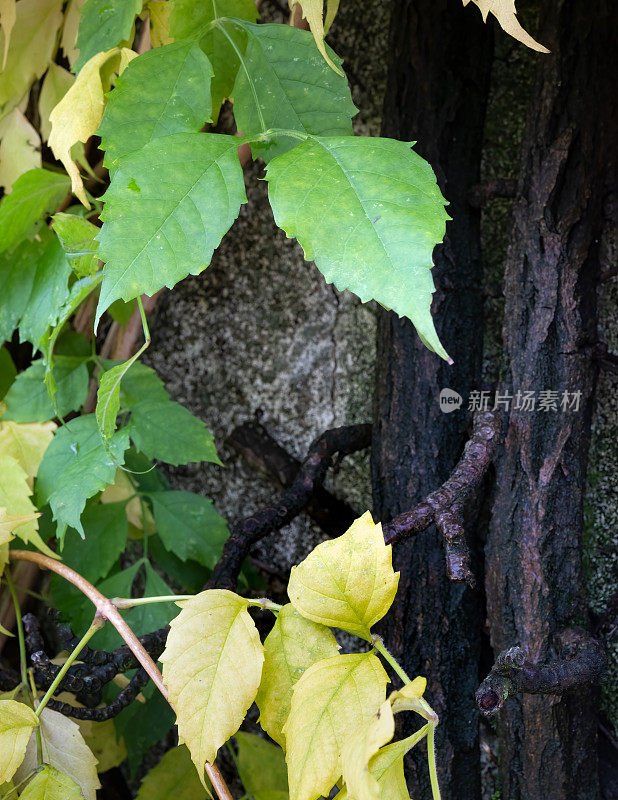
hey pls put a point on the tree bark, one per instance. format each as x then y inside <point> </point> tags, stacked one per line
<point>436,94</point>
<point>535,581</point>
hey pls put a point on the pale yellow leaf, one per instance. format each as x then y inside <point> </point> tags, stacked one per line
<point>17,721</point>
<point>410,698</point>
<point>8,15</point>
<point>293,645</point>
<point>506,14</point>
<point>26,442</point>
<point>64,748</point>
<point>70,27</point>
<point>330,702</point>
<point>360,747</point>
<point>9,522</point>
<point>32,43</point>
<point>313,12</point>
<point>212,665</point>
<point>386,767</point>
<point>56,84</point>
<point>15,498</point>
<point>50,784</point>
<point>173,777</point>
<point>347,582</point>
<point>78,115</point>
<point>118,492</point>
<point>20,148</point>
<point>160,12</point>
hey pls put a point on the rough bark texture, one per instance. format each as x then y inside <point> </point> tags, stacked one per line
<point>535,586</point>
<point>436,94</point>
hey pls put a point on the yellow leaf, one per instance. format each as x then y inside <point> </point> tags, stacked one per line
<point>8,15</point>
<point>293,645</point>
<point>20,148</point>
<point>26,442</point>
<point>313,11</point>
<point>386,767</point>
<point>173,777</point>
<point>160,12</point>
<point>17,722</point>
<point>329,703</point>
<point>72,16</point>
<point>506,14</point>
<point>32,43</point>
<point>347,582</point>
<point>332,6</point>
<point>50,784</point>
<point>64,748</point>
<point>212,666</point>
<point>410,698</point>
<point>78,115</point>
<point>359,749</point>
<point>8,523</point>
<point>15,498</point>
<point>56,84</point>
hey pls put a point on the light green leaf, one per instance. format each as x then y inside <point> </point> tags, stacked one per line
<point>108,397</point>
<point>76,466</point>
<point>34,194</point>
<point>332,6</point>
<point>287,84</point>
<point>27,399</point>
<point>8,371</point>
<point>17,721</point>
<point>192,185</point>
<point>139,383</point>
<point>63,748</point>
<point>50,784</point>
<point>26,443</point>
<point>212,666</point>
<point>15,492</point>
<point>261,767</point>
<point>347,582</point>
<point>292,646</point>
<point>360,747</point>
<point>369,213</point>
<point>330,702</point>
<point>20,148</point>
<point>77,237</point>
<point>313,11</point>
<point>8,16</point>
<point>32,43</point>
<point>174,776</point>
<point>176,101</point>
<point>189,526</point>
<point>103,25</point>
<point>105,529</point>
<point>186,437</point>
<point>68,40</point>
<point>193,19</point>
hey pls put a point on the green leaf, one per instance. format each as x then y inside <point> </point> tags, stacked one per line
<point>76,466</point>
<point>139,383</point>
<point>17,721</point>
<point>174,776</point>
<point>189,526</point>
<point>105,529</point>
<point>192,187</point>
<point>347,582</point>
<point>108,396</point>
<point>122,312</point>
<point>369,213</point>
<point>50,784</point>
<point>35,193</point>
<point>292,646</point>
<point>212,665</point>
<point>143,724</point>
<point>103,25</point>
<point>169,432</point>
<point>261,767</point>
<point>189,575</point>
<point>176,101</point>
<point>8,371</point>
<point>193,19</point>
<point>330,702</point>
<point>287,84</point>
<point>77,237</point>
<point>27,399</point>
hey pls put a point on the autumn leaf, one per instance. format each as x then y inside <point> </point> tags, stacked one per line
<point>17,721</point>
<point>359,749</point>
<point>506,14</point>
<point>15,498</point>
<point>26,443</point>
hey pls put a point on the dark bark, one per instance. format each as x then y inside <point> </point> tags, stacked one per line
<point>436,94</point>
<point>535,582</point>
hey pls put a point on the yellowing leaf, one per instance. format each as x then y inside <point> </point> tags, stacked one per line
<point>160,12</point>
<point>72,16</point>
<point>26,443</point>
<point>329,703</point>
<point>56,84</point>
<point>212,666</point>
<point>8,523</point>
<point>78,115</point>
<point>101,739</point>
<point>293,645</point>
<point>119,491</point>
<point>506,14</point>
<point>347,582</point>
<point>410,698</point>
<point>15,498</point>
<point>50,784</point>
<point>332,6</point>
<point>359,749</point>
<point>64,748</point>
<point>17,722</point>
<point>173,777</point>
<point>387,769</point>
<point>8,15</point>
<point>313,11</point>
<point>20,148</point>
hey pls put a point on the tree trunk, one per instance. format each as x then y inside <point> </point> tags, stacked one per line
<point>535,582</point>
<point>436,94</point>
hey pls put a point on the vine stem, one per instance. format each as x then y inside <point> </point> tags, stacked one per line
<point>379,645</point>
<point>108,611</point>
<point>20,628</point>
